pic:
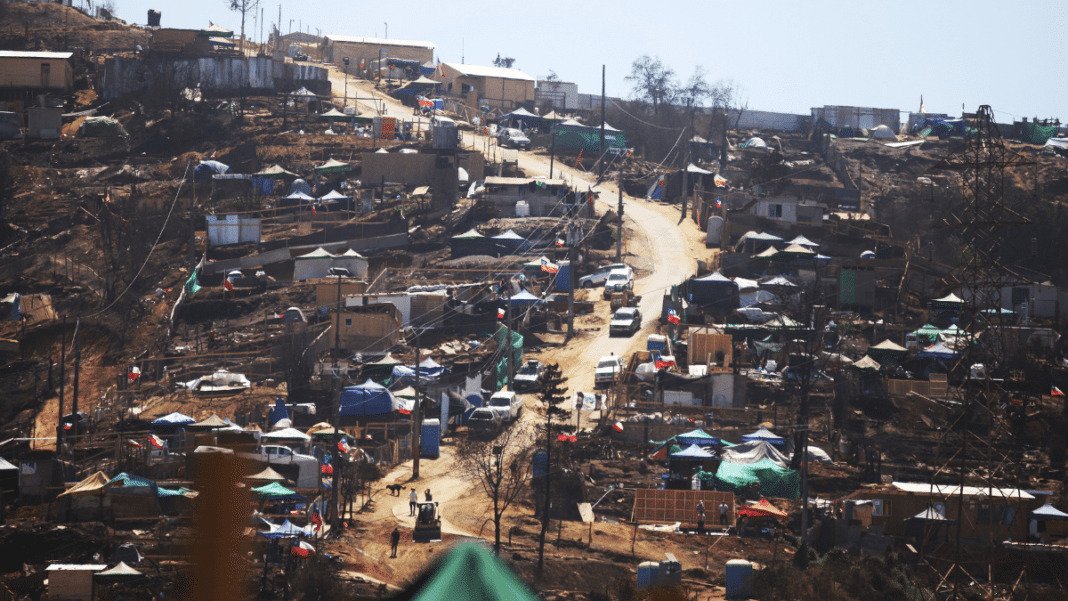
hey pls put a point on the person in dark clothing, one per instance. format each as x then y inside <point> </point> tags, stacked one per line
<point>394,540</point>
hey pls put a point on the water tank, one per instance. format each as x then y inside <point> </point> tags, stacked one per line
<point>738,576</point>
<point>648,572</point>
<point>522,209</point>
<point>153,18</point>
<point>714,231</point>
<point>444,133</point>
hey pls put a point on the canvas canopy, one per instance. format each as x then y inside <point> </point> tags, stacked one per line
<point>803,241</point>
<point>286,434</point>
<point>468,572</point>
<point>119,573</point>
<point>333,166</point>
<point>173,419</point>
<point>938,350</point>
<point>276,492</point>
<point>335,195</point>
<point>1049,512</point>
<point>754,451</point>
<point>276,172</point>
<point>950,301</point>
<point>299,196</point>
<point>867,364</point>
<point>772,480</point>
<point>267,475</point>
<point>697,437</point>
<point>205,170</point>
<point>692,452</point>
<point>765,435</point>
<point>760,509</point>
<point>369,398</point>
<point>215,31</point>
<point>90,485</point>
<point>526,298</point>
<point>888,345</point>
<point>211,423</point>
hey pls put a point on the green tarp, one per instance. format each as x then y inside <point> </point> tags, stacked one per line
<point>1033,133</point>
<point>500,369</point>
<point>579,137</point>
<point>468,573</point>
<point>773,480</point>
<point>276,491</point>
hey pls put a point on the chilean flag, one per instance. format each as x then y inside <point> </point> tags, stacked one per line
<point>673,317</point>
<point>500,313</point>
<point>404,411</point>
<point>343,446</point>
<point>316,519</point>
<point>133,373</point>
<point>302,549</point>
<point>618,426</point>
<point>559,241</point>
<point>156,441</point>
<point>327,469</point>
<point>1056,392</point>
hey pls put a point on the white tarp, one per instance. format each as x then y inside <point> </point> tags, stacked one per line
<point>752,452</point>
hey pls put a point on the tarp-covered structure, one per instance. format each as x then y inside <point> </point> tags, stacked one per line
<point>369,399</point>
<point>205,170</point>
<point>101,127</point>
<point>500,368</point>
<point>468,572</point>
<point>573,135</point>
<point>772,480</point>
<point>754,452</point>
<point>429,371</point>
<point>470,243</point>
<point>764,434</point>
<point>714,292</point>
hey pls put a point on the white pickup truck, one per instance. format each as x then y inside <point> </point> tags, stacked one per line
<point>308,472</point>
<point>506,404</point>
<point>607,371</point>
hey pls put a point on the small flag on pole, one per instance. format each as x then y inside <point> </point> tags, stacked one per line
<point>156,441</point>
<point>548,267</point>
<point>673,317</point>
<point>404,411</point>
<point>559,241</point>
<point>618,426</point>
<point>343,446</point>
<point>719,203</point>
<point>500,313</point>
<point>302,549</point>
<point>133,373</point>
<point>1056,392</point>
<point>228,285</point>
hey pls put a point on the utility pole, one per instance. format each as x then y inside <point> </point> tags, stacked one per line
<point>572,275</point>
<point>602,109</point>
<point>278,30</point>
<point>77,366</point>
<point>552,153</point>
<point>619,239</point>
<point>62,384</point>
<point>686,165</point>
<point>417,415</point>
<point>192,218</point>
<point>335,452</point>
<point>511,349</point>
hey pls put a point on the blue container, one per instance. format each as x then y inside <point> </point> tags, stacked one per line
<point>738,576</point>
<point>563,276</point>
<point>439,104</point>
<point>648,573</point>
<point>656,343</point>
<point>540,463</point>
<point>430,438</point>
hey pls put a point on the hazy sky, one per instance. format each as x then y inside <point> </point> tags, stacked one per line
<point>787,56</point>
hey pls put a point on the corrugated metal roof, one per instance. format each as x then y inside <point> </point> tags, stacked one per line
<point>480,71</point>
<point>76,567</point>
<point>953,489</point>
<point>352,39</point>
<point>25,54</point>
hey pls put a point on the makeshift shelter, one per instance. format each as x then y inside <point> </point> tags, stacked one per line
<point>215,31</point>
<point>83,502</point>
<point>205,170</point>
<point>211,423</point>
<point>170,423</point>
<point>332,166</point>
<point>471,243</point>
<point>468,572</point>
<point>176,502</point>
<point>753,452</point>
<point>866,364</point>
<point>950,302</point>
<point>353,261</point>
<point>276,172</point>
<point>764,434</point>
<point>697,437</point>
<point>508,243</point>
<point>753,143</point>
<point>762,509</point>
<point>883,133</point>
<point>888,352</point>
<point>938,350</point>
<point>772,480</point>
<point>313,265</point>
<point>367,400</point>
<point>266,476</point>
<point>127,553</point>
<point>803,241</point>
<point>524,299</point>
<point>120,573</point>
<point>276,492</point>
<point>714,292</point>
<point>573,135</point>
<point>288,530</point>
<point>292,434</point>
<point>9,480</point>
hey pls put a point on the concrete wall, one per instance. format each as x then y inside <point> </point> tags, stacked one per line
<point>28,73</point>
<point>564,96</point>
<point>368,52</point>
<point>415,169</point>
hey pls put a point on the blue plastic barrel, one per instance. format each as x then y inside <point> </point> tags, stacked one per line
<point>738,576</point>
<point>648,572</point>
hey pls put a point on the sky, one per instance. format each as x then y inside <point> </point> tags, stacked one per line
<point>785,56</point>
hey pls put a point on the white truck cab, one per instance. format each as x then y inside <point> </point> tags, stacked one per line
<point>506,404</point>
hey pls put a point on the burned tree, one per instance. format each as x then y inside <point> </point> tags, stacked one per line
<point>501,467</point>
<point>552,396</point>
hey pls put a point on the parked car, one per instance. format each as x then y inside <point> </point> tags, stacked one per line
<point>506,404</point>
<point>607,371</point>
<point>600,276</point>
<point>626,321</point>
<point>511,137</point>
<point>618,280</point>
<point>484,419</point>
<point>528,378</point>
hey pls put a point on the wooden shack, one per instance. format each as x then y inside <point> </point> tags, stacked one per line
<point>36,71</point>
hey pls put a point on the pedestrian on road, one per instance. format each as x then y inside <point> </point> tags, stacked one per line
<point>413,498</point>
<point>428,497</point>
<point>723,513</point>
<point>394,540</point>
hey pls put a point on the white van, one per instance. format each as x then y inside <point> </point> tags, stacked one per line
<point>506,404</point>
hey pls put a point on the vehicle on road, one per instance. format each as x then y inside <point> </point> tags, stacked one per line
<point>513,138</point>
<point>528,378</point>
<point>506,404</point>
<point>618,280</point>
<point>624,298</point>
<point>427,524</point>
<point>484,420</point>
<point>600,276</point>
<point>608,371</point>
<point>626,321</point>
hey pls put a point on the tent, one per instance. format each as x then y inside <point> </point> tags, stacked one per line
<point>211,423</point>
<point>1049,512</point>
<point>765,435</point>
<point>754,451</point>
<point>697,437</point>
<point>761,509</point>
<point>714,291</point>
<point>205,170</point>
<point>333,166</point>
<point>276,172</point>
<point>867,364</point>
<point>470,243</point>
<point>276,492</point>
<point>883,133</point>
<point>286,434</point>
<point>369,398</point>
<point>101,127</point>
<point>127,553</point>
<point>90,485</point>
<point>509,243</point>
<point>287,530</point>
<point>771,479</point>
<point>692,452</point>
<point>9,479</point>
<point>267,475</point>
<point>803,241</point>
<point>215,31</point>
<point>887,352</point>
<point>119,573</point>
<point>572,134</point>
<point>753,143</point>
<point>468,572</point>
<point>938,350</point>
<point>949,302</point>
<point>525,298</point>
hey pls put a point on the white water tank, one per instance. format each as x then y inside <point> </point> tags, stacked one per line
<point>522,209</point>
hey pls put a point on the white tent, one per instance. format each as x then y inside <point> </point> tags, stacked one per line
<point>315,264</point>
<point>883,133</point>
<point>353,261</point>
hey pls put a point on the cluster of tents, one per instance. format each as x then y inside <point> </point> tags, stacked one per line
<point>271,180</point>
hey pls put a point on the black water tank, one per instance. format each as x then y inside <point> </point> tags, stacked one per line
<point>153,18</point>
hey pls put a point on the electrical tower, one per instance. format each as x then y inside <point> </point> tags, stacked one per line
<point>977,448</point>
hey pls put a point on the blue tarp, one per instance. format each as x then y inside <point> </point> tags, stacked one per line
<point>280,411</point>
<point>369,398</point>
<point>428,370</point>
<point>763,434</point>
<point>173,419</point>
<point>131,481</point>
<point>207,169</point>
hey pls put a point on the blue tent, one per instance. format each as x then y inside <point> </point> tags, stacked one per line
<point>508,243</point>
<point>429,370</point>
<point>207,169</point>
<point>280,411</point>
<point>369,398</point>
<point>938,351</point>
<point>173,419</point>
<point>525,298</point>
<point>765,435</point>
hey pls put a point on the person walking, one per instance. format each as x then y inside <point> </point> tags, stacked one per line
<point>413,498</point>
<point>394,540</point>
<point>723,513</point>
<point>700,517</point>
<point>428,497</point>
